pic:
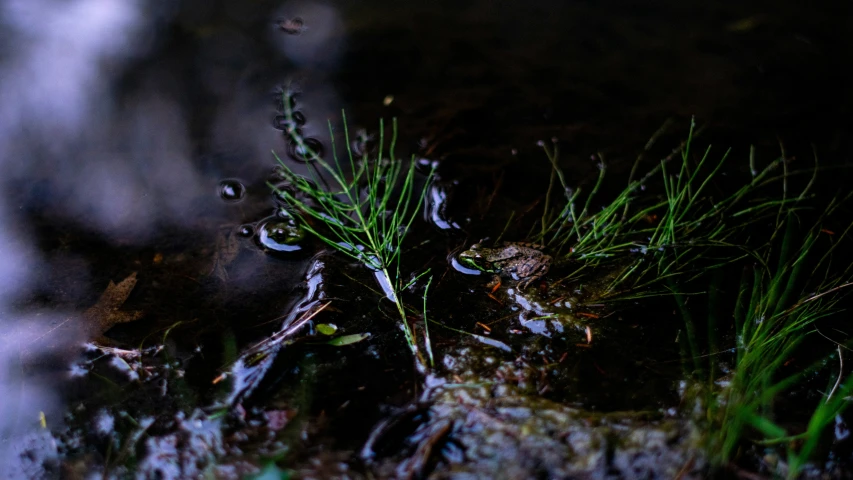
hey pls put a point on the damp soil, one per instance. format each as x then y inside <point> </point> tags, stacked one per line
<point>217,361</point>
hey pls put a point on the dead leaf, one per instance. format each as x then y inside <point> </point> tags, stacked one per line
<point>227,249</point>
<point>105,313</point>
<point>101,316</point>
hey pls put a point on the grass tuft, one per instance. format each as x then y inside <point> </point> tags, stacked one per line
<point>659,243</point>
<point>365,213</point>
<point>661,236</point>
<point>779,300</point>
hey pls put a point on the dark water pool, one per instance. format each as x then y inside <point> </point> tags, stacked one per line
<point>136,145</point>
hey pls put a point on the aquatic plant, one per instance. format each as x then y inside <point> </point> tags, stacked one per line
<point>661,243</point>
<point>365,213</point>
<point>776,309</point>
<point>660,236</point>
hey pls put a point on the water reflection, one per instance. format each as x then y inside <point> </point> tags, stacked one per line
<point>98,136</point>
<point>117,165</point>
<point>436,208</point>
<point>59,60</point>
<point>254,364</point>
<point>320,33</point>
<point>231,190</point>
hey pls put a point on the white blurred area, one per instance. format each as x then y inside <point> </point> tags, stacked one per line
<point>116,167</point>
<point>119,166</point>
<point>52,83</point>
<point>58,56</point>
<point>57,61</point>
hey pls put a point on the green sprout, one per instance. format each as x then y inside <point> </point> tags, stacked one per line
<point>365,213</point>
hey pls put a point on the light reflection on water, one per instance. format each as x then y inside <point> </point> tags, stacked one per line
<point>62,127</point>
<point>55,77</point>
<point>319,42</point>
<point>73,148</point>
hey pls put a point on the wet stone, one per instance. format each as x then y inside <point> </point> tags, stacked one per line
<point>518,434</point>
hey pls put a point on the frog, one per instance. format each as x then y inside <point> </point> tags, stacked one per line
<point>520,261</point>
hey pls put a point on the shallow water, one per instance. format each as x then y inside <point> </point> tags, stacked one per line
<point>137,137</point>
